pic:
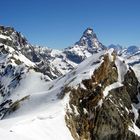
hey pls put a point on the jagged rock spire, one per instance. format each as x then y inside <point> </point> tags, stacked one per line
<point>89,39</point>
<point>89,32</point>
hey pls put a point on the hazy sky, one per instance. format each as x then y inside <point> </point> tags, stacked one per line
<point>60,23</point>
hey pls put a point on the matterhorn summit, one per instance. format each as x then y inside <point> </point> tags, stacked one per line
<point>90,40</point>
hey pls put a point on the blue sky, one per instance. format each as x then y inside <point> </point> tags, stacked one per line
<point>60,23</point>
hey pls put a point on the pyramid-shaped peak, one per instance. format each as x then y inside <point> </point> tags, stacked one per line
<point>90,40</point>
<point>88,31</point>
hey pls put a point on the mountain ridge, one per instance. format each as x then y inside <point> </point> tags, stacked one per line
<point>85,92</point>
<point>46,59</point>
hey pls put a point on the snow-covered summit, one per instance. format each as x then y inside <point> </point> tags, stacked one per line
<point>88,31</point>
<point>131,50</point>
<point>85,47</point>
<point>89,39</point>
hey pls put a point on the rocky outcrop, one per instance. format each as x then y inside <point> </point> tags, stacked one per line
<point>92,115</point>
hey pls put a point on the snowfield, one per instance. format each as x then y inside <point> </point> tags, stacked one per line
<point>42,115</point>
<point>39,117</point>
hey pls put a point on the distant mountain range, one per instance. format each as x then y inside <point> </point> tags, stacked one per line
<point>130,50</point>
<point>85,92</point>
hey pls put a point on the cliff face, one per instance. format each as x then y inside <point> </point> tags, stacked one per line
<point>105,107</point>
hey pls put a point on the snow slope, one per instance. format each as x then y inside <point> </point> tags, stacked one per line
<point>41,115</point>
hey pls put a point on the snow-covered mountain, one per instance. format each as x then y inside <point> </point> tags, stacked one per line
<point>64,61</point>
<point>131,55</point>
<point>125,52</point>
<point>83,104</point>
<point>51,62</point>
<point>85,47</point>
<point>85,92</point>
<point>131,50</point>
<point>132,58</point>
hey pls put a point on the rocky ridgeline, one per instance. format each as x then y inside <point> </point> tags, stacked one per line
<point>93,115</point>
<point>37,55</point>
<point>10,37</point>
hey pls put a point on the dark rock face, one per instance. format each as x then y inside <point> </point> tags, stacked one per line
<point>91,116</point>
<point>14,38</point>
<point>20,44</point>
<point>73,57</point>
<point>11,73</point>
<point>131,80</point>
<point>89,39</point>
